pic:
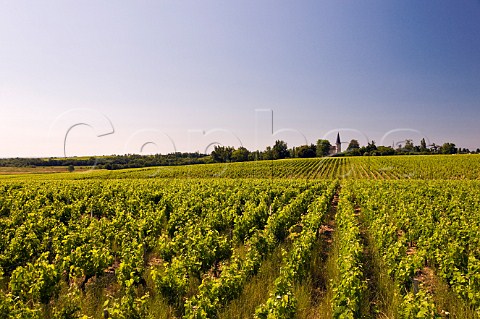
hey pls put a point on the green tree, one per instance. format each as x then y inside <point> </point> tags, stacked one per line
<point>222,154</point>
<point>255,156</point>
<point>423,145</point>
<point>240,155</point>
<point>267,154</point>
<point>385,150</point>
<point>280,150</point>
<point>435,148</point>
<point>409,145</point>
<point>369,149</point>
<point>323,148</point>
<point>448,148</point>
<point>354,152</point>
<point>353,145</point>
<point>305,151</point>
<point>71,168</point>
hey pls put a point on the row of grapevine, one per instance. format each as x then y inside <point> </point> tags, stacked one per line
<point>58,238</point>
<point>216,292</point>
<point>281,303</point>
<point>349,283</point>
<point>200,238</point>
<point>419,228</point>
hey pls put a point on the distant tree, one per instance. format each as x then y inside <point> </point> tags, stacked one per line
<point>292,152</point>
<point>477,151</point>
<point>353,145</point>
<point>448,148</point>
<point>385,150</point>
<point>240,154</point>
<point>222,154</point>
<point>435,148</point>
<point>423,145</point>
<point>71,168</point>
<point>354,152</point>
<point>305,151</point>
<point>280,150</point>
<point>409,147</point>
<point>371,147</point>
<point>255,156</point>
<point>267,154</point>
<point>323,148</point>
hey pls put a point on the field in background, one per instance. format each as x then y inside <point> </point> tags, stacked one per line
<point>362,237</point>
<point>460,167</point>
<point>40,170</point>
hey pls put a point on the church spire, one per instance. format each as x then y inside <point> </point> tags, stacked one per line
<point>338,143</point>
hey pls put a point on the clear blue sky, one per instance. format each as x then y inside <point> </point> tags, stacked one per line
<point>157,68</point>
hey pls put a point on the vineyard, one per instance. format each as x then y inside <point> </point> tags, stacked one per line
<point>365,237</point>
<point>438,167</point>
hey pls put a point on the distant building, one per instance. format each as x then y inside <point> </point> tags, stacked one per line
<point>338,143</point>
<point>337,148</point>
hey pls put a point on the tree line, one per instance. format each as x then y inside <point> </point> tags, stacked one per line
<point>110,162</point>
<point>322,148</point>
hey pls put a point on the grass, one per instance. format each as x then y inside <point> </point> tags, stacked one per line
<point>383,301</point>
<point>256,290</point>
<point>314,294</point>
<point>448,302</point>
